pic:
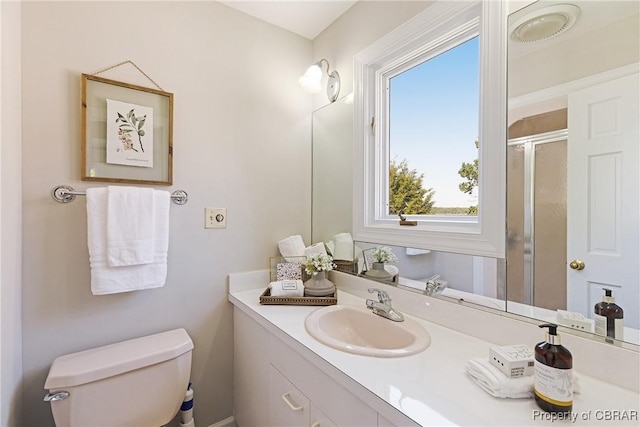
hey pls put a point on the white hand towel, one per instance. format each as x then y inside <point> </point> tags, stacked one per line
<point>497,384</point>
<point>161,206</point>
<point>318,248</point>
<point>130,225</point>
<point>109,280</point>
<point>287,288</point>
<point>292,246</point>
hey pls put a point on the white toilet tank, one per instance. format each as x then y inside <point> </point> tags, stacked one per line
<point>140,382</point>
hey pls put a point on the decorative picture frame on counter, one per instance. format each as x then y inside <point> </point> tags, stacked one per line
<point>127,132</point>
<point>289,268</point>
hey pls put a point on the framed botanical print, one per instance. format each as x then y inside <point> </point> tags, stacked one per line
<point>127,132</point>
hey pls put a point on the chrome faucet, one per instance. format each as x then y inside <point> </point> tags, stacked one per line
<point>382,307</point>
<point>433,286</point>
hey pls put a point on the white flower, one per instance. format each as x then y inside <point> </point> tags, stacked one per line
<point>383,254</point>
<point>317,263</point>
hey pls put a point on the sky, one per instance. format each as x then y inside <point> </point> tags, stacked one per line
<point>434,120</point>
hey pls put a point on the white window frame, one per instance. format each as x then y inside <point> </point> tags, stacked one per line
<point>440,27</point>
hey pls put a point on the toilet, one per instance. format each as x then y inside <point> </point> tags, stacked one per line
<point>140,382</point>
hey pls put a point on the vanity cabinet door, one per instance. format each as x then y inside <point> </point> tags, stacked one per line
<point>250,373</point>
<point>286,389</point>
<point>337,403</point>
<point>319,419</point>
<point>383,422</point>
<point>288,406</point>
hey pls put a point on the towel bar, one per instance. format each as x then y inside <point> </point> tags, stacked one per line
<point>66,194</point>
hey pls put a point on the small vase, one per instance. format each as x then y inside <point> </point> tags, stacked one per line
<point>319,286</point>
<point>378,272</point>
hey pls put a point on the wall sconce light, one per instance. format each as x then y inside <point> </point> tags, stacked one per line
<point>311,81</point>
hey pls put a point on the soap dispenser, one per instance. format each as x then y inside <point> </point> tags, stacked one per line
<point>553,373</point>
<point>608,317</point>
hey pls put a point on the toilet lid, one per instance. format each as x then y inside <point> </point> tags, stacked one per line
<point>114,359</point>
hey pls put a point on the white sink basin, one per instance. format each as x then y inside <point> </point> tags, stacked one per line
<point>358,330</point>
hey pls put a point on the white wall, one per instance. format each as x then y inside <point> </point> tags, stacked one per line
<point>10,215</point>
<point>361,25</point>
<point>241,141</point>
<point>357,28</point>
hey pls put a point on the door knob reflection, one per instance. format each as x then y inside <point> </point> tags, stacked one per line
<point>576,264</point>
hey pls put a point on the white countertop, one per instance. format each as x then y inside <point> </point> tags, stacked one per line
<point>432,387</point>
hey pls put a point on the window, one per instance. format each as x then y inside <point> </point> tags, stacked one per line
<point>432,124</point>
<point>405,115</point>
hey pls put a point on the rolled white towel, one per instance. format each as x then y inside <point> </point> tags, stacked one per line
<point>343,250</point>
<point>331,247</point>
<point>287,288</point>
<point>342,247</point>
<point>497,384</point>
<point>318,248</point>
<point>343,237</point>
<point>292,246</point>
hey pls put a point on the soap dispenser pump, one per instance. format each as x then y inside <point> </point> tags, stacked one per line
<point>608,317</point>
<point>553,373</point>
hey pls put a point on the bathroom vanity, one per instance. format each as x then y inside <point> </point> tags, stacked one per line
<point>283,376</point>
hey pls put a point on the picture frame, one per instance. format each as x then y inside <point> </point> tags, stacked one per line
<point>289,268</point>
<point>127,132</point>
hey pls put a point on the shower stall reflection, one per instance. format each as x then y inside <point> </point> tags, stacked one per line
<point>537,211</point>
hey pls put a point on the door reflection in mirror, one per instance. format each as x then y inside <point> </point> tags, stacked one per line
<point>577,81</point>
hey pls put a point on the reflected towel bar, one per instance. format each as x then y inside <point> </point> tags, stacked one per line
<point>66,194</point>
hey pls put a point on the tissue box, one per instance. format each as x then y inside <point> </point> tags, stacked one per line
<point>575,321</point>
<point>512,360</point>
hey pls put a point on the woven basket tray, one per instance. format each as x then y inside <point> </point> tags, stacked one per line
<point>347,266</point>
<point>266,298</point>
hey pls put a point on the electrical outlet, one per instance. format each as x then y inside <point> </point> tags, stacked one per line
<point>215,217</point>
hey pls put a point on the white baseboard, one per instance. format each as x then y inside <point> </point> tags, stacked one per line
<point>227,422</point>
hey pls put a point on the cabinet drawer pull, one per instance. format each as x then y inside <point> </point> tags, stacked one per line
<point>316,424</point>
<point>287,399</point>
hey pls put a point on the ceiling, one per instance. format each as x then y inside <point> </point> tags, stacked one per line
<point>307,18</point>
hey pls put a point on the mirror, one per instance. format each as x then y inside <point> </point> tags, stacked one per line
<point>472,279</point>
<point>572,158</point>
<point>332,169</point>
<point>539,83</point>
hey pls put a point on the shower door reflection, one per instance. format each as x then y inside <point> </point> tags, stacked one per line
<point>537,212</point>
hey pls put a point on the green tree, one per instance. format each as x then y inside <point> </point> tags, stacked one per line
<point>469,171</point>
<point>406,191</point>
